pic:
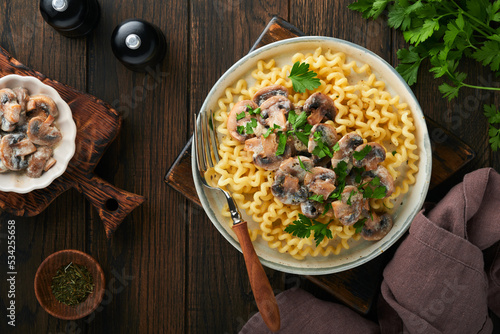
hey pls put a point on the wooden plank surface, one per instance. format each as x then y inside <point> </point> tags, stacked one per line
<point>168,269</point>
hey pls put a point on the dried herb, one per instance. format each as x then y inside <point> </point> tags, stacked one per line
<point>72,284</point>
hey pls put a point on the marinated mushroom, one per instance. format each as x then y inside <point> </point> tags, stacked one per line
<point>349,208</point>
<point>13,151</point>
<point>264,150</point>
<point>235,120</point>
<point>41,131</point>
<point>292,166</point>
<point>288,189</point>
<point>320,181</point>
<point>377,228</point>
<point>312,209</point>
<point>22,97</point>
<point>267,92</point>
<point>41,104</point>
<point>9,107</point>
<point>38,161</point>
<point>320,107</point>
<point>7,126</point>
<point>324,133</point>
<point>385,177</point>
<point>375,156</point>
<point>274,111</point>
<point>347,144</point>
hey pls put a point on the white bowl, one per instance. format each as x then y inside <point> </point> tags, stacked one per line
<point>362,251</point>
<point>19,182</point>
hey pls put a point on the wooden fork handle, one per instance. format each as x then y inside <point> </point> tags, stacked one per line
<point>262,291</point>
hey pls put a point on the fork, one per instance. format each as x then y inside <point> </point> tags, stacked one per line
<point>206,154</point>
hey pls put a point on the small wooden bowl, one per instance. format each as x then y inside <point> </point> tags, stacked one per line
<point>43,282</point>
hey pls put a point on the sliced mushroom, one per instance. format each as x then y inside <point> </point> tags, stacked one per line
<point>347,144</point>
<point>320,107</point>
<point>13,151</point>
<point>42,104</point>
<point>326,133</point>
<point>9,107</point>
<point>38,161</point>
<point>7,126</point>
<point>312,209</point>
<point>265,93</point>
<point>22,97</point>
<point>274,111</point>
<point>349,208</point>
<point>288,189</point>
<point>375,156</point>
<point>233,122</point>
<point>41,131</point>
<point>264,150</point>
<point>320,181</point>
<point>292,166</point>
<point>385,178</point>
<point>49,164</point>
<point>377,228</point>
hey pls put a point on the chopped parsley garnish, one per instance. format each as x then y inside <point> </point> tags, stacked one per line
<point>328,207</point>
<point>303,166</point>
<point>302,78</point>
<point>360,155</point>
<point>352,193</point>
<point>394,152</point>
<point>302,228</point>
<point>271,129</point>
<point>282,138</point>
<point>359,225</point>
<point>241,115</point>
<point>301,129</point>
<point>377,191</point>
<point>240,129</point>
<point>317,198</point>
<point>336,147</point>
<point>321,150</point>
<point>341,172</point>
<point>252,111</point>
<point>250,126</point>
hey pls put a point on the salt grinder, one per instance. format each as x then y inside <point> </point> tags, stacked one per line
<point>71,18</point>
<point>138,44</point>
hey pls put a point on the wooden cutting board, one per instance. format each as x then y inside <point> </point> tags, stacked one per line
<point>97,126</point>
<point>357,287</point>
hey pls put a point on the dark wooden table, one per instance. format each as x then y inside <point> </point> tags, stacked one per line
<point>168,270</point>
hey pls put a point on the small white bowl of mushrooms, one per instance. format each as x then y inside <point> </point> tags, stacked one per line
<point>37,134</point>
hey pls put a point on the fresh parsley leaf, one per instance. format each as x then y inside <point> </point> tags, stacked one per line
<point>352,193</point>
<point>341,172</point>
<point>493,115</point>
<point>240,116</point>
<point>240,129</point>
<point>394,152</point>
<point>250,126</point>
<point>360,155</point>
<point>377,192</point>
<point>489,54</point>
<point>302,137</point>
<point>336,147</point>
<point>302,78</point>
<point>303,166</point>
<point>410,63</point>
<point>271,129</point>
<point>252,111</point>
<point>317,198</point>
<point>303,227</point>
<point>282,138</point>
<point>421,33</point>
<point>328,207</point>
<point>375,181</point>
<point>359,225</point>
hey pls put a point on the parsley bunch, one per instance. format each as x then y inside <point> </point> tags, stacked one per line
<point>444,32</point>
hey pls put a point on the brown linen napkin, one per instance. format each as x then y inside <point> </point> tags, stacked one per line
<point>436,282</point>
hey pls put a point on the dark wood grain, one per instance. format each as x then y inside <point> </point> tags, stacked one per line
<point>97,125</point>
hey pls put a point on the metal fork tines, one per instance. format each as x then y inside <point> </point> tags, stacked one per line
<point>207,156</point>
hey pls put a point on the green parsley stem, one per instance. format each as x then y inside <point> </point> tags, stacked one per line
<point>472,18</point>
<point>480,87</point>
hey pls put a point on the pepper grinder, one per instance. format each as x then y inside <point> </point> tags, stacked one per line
<point>138,44</point>
<point>71,18</point>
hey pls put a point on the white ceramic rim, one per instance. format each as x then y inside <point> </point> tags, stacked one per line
<point>425,156</point>
<point>63,152</point>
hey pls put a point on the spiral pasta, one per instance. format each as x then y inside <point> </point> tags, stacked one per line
<point>363,106</point>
